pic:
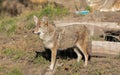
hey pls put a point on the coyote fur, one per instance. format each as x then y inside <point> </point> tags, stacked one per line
<point>60,38</point>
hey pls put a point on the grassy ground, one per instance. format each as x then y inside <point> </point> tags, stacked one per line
<point>18,47</point>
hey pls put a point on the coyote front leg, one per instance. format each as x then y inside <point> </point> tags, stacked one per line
<point>53,57</point>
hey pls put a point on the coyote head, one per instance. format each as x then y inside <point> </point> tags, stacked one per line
<point>41,25</point>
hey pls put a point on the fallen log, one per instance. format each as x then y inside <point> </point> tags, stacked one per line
<point>105,25</point>
<point>103,48</point>
<point>101,24</point>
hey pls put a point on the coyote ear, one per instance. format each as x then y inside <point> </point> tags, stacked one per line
<point>45,20</point>
<point>35,19</point>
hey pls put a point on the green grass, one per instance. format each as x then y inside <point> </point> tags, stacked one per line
<point>3,70</point>
<point>40,60</point>
<point>88,8</point>
<point>30,25</point>
<point>15,71</point>
<point>51,12</point>
<point>8,25</point>
<point>14,54</point>
<point>10,71</point>
<point>20,54</point>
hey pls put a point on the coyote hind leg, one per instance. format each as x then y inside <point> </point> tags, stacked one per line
<point>79,56</point>
<point>83,49</point>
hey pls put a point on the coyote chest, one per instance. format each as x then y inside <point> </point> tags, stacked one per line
<point>47,39</point>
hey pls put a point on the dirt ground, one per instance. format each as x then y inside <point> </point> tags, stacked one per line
<point>30,43</point>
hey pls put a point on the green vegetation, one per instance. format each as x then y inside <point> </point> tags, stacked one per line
<point>2,69</point>
<point>88,8</point>
<point>14,54</point>
<point>8,25</point>
<point>8,71</point>
<point>17,55</point>
<point>40,60</point>
<point>30,25</point>
<point>20,26</point>
<point>50,11</point>
<point>53,12</point>
<point>15,71</point>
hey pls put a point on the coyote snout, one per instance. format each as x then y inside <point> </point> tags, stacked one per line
<point>60,38</point>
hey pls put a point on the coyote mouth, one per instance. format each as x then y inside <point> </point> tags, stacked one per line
<point>38,33</point>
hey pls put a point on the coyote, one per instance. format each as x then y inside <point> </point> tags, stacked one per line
<point>104,5</point>
<point>60,38</point>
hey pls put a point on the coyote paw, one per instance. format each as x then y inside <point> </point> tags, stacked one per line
<point>49,68</point>
<point>61,64</point>
<point>49,72</point>
<point>85,65</point>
